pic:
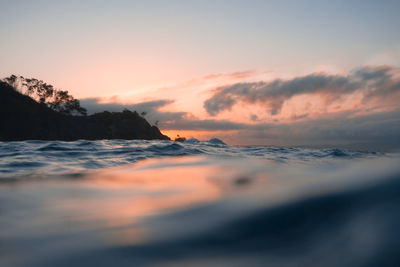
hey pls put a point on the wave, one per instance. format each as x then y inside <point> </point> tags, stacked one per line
<point>44,157</point>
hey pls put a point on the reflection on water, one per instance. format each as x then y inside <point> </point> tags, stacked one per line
<point>205,211</point>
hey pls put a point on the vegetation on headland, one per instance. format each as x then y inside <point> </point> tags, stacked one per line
<point>43,113</point>
<point>44,93</point>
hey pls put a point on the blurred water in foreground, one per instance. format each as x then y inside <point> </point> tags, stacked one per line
<point>199,205</point>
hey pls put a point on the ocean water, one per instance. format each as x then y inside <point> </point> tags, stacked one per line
<point>44,158</point>
<point>161,203</point>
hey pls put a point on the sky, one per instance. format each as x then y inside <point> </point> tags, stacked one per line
<point>303,73</point>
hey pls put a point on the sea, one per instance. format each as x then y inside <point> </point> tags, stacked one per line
<point>196,203</point>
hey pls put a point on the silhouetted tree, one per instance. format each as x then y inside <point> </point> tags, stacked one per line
<point>44,93</point>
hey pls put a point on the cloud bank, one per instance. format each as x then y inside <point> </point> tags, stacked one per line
<point>374,83</point>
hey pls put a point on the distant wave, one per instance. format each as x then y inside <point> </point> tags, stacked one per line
<point>58,158</point>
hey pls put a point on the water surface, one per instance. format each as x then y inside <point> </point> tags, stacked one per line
<point>158,203</point>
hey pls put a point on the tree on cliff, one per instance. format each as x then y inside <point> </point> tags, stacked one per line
<point>58,100</point>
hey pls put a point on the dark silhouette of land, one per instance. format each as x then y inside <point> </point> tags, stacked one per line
<point>23,118</point>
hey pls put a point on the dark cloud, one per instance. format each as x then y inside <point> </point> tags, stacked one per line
<point>93,105</point>
<point>152,114</point>
<point>203,125</point>
<point>378,131</point>
<point>254,117</point>
<point>374,82</point>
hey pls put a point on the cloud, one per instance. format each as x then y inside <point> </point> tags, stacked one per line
<point>342,128</point>
<point>232,75</point>
<point>186,123</point>
<point>373,82</point>
<point>151,109</point>
<point>378,131</point>
<point>94,105</point>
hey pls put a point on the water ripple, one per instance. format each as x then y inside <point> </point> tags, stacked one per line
<point>58,157</point>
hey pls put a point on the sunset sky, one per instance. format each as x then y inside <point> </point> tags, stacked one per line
<point>249,72</point>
